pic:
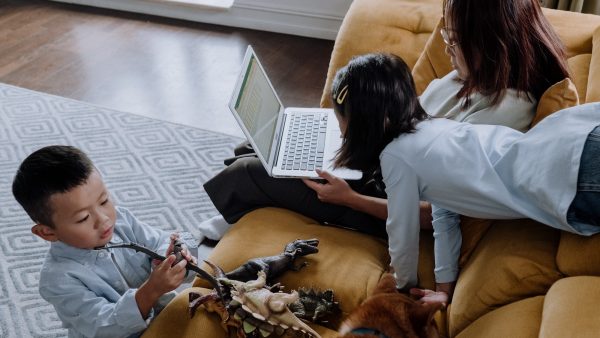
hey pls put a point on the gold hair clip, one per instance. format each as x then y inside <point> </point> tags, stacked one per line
<point>341,95</point>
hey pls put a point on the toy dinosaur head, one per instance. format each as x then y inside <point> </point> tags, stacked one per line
<point>389,313</point>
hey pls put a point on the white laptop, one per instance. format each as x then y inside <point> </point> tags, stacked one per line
<point>290,142</point>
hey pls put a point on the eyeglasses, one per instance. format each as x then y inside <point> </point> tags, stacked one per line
<point>446,38</point>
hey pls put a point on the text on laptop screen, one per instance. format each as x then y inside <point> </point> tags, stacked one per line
<point>258,107</point>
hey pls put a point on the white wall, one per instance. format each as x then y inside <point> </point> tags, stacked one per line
<point>312,18</point>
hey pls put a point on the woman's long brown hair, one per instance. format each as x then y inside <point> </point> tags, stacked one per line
<point>506,44</point>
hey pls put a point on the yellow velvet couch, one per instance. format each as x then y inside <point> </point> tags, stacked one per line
<point>518,278</point>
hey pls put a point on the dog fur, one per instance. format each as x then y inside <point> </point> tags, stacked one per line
<point>393,314</point>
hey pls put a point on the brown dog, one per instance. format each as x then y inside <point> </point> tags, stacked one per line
<point>390,314</point>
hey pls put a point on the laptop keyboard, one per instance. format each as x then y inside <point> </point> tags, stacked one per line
<point>305,142</point>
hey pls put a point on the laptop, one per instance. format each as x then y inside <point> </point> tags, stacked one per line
<point>290,142</point>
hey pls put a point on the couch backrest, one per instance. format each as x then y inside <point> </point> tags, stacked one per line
<point>392,26</point>
<point>577,31</point>
<point>405,29</point>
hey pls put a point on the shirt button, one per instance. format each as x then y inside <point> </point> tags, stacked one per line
<point>101,254</point>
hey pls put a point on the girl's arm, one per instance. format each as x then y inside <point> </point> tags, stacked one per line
<point>401,186</point>
<point>447,242</point>
<point>337,191</point>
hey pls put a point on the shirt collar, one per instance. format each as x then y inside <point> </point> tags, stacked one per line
<point>62,249</point>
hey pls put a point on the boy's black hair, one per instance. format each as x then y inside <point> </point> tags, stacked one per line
<point>48,171</point>
<point>375,94</point>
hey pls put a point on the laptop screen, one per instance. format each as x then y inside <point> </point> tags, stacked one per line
<point>258,107</point>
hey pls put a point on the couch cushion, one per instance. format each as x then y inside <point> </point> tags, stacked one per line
<point>174,320</point>
<point>579,67</point>
<point>559,96</point>
<point>513,261</point>
<point>519,319</point>
<point>426,260</point>
<point>576,31</point>
<point>348,262</point>
<point>433,63</point>
<point>398,27</point>
<point>578,255</point>
<point>593,85</point>
<point>571,308</point>
<point>472,230</point>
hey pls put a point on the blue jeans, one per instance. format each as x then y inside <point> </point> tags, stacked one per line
<point>584,212</point>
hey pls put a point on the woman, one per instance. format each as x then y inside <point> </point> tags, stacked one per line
<point>503,64</point>
<point>550,174</point>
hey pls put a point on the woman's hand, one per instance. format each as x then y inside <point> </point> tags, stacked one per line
<point>430,296</point>
<point>335,190</point>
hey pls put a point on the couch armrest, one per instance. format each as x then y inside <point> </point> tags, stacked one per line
<point>571,308</point>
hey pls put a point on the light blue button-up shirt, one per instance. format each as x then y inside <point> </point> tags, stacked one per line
<point>93,291</point>
<point>481,171</point>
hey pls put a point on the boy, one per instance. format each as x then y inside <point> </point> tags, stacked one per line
<point>96,293</point>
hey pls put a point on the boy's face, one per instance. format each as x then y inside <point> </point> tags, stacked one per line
<point>84,217</point>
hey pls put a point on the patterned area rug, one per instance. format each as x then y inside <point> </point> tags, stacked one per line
<point>154,168</point>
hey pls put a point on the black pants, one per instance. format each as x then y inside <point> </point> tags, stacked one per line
<point>244,185</point>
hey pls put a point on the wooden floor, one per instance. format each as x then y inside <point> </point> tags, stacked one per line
<point>169,69</point>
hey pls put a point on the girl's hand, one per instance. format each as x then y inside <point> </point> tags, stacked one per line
<point>335,190</point>
<point>430,296</point>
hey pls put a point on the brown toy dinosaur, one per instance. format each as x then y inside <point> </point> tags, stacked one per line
<point>388,313</point>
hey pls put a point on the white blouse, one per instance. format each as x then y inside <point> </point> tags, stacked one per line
<point>513,110</point>
<point>481,171</point>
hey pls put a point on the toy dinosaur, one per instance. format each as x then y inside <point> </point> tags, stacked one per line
<point>254,310</point>
<point>250,307</point>
<point>274,266</point>
<point>314,305</point>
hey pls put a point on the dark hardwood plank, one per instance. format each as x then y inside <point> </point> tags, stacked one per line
<point>164,68</point>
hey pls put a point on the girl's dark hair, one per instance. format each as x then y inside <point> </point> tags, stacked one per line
<point>48,171</point>
<point>375,94</point>
<point>506,44</point>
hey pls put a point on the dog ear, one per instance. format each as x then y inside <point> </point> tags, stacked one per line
<point>421,317</point>
<point>387,284</point>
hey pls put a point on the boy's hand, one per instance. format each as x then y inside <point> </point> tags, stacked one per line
<point>164,278</point>
<point>177,247</point>
<point>167,276</point>
<point>182,248</point>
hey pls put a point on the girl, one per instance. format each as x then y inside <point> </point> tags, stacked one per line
<point>482,171</point>
<point>503,64</point>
